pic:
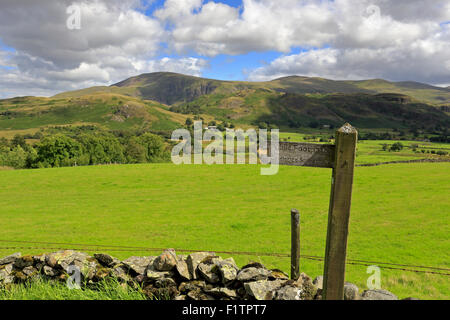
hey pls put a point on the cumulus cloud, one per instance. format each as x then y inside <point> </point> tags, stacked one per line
<point>216,28</point>
<point>376,39</point>
<point>115,41</point>
<point>401,39</point>
<point>340,39</point>
<point>46,81</point>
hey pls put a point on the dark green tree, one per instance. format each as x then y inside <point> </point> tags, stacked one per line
<point>154,147</point>
<point>58,151</point>
<point>18,140</point>
<point>398,146</point>
<point>135,152</point>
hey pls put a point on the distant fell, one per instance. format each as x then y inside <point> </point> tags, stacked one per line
<point>173,88</point>
<point>162,101</point>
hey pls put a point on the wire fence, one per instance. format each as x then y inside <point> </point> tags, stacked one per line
<point>116,248</point>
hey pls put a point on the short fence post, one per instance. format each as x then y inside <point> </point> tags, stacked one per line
<point>295,244</point>
<point>339,213</point>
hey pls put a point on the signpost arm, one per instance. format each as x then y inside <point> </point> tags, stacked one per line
<point>339,213</point>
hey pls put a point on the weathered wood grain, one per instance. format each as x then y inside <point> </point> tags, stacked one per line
<point>295,244</point>
<point>339,213</point>
<point>305,154</point>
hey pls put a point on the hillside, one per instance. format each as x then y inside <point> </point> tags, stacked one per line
<point>173,88</point>
<point>163,101</point>
<point>314,110</point>
<point>107,110</point>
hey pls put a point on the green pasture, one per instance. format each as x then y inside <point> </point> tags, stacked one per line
<point>371,151</point>
<point>399,214</point>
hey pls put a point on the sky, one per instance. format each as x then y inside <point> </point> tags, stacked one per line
<point>51,46</point>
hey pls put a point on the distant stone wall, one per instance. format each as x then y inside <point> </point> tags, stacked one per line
<point>198,276</point>
<point>402,161</point>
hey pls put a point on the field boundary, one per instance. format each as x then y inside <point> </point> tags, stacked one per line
<point>116,248</point>
<point>402,161</point>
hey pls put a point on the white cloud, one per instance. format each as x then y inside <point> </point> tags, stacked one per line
<point>46,82</point>
<point>346,39</point>
<point>115,41</point>
<point>376,39</point>
<point>216,28</point>
<point>395,39</point>
<point>422,60</point>
<point>191,66</point>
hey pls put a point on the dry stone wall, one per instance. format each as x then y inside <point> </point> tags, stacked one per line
<point>197,276</point>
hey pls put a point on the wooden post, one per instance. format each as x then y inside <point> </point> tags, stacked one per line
<point>295,244</point>
<point>339,213</point>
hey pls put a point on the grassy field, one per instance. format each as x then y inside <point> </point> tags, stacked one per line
<point>371,151</point>
<point>40,289</point>
<point>399,214</point>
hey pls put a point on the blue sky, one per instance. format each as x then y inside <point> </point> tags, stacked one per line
<point>252,40</point>
<point>223,66</point>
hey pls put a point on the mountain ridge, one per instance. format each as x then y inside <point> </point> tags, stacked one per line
<point>172,88</point>
<point>162,102</point>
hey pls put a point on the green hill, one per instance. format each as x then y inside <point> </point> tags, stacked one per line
<point>172,88</point>
<point>314,110</point>
<point>107,110</point>
<point>162,101</point>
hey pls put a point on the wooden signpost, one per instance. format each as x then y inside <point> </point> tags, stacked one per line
<point>341,158</point>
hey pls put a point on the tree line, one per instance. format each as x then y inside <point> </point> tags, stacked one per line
<point>85,148</point>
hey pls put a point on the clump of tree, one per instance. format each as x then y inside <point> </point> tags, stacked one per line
<point>58,151</point>
<point>83,148</point>
<point>145,148</point>
<point>398,146</point>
